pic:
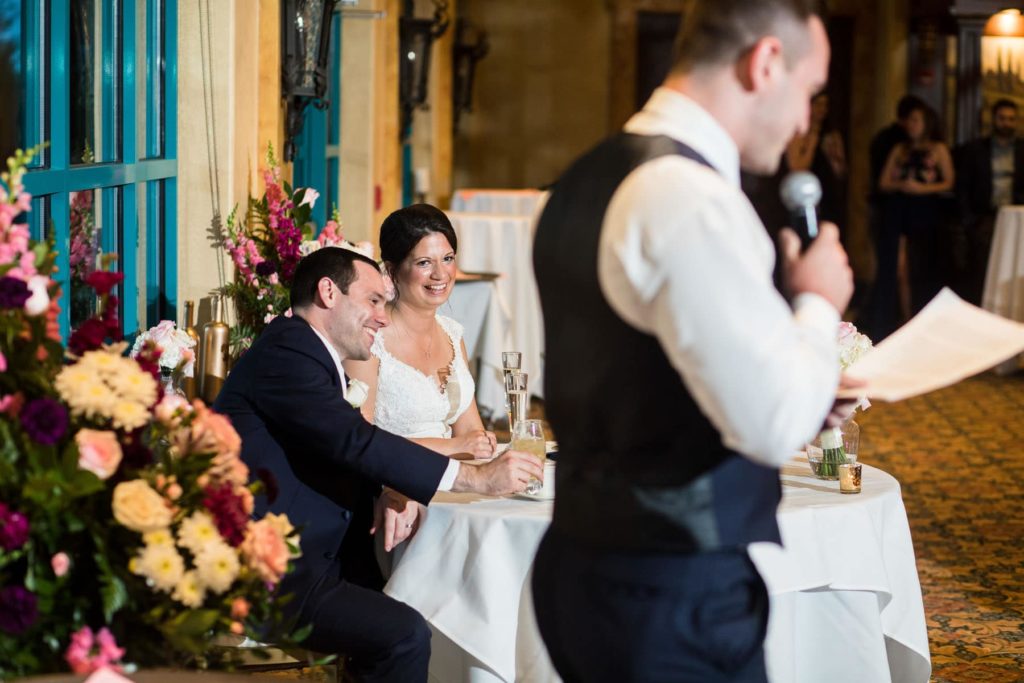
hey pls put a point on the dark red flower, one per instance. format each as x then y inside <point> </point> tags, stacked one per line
<point>228,512</point>
<point>44,420</point>
<point>13,292</point>
<point>103,281</point>
<point>89,336</point>
<point>18,609</point>
<point>13,528</point>
<point>270,489</point>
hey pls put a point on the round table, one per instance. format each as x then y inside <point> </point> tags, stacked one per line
<point>845,599</point>
<point>1004,278</point>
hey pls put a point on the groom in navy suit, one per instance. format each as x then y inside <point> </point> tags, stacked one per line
<point>286,399</point>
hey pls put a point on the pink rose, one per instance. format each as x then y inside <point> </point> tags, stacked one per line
<point>237,628</point>
<point>60,563</point>
<point>167,410</point>
<point>239,608</point>
<point>265,551</point>
<point>98,452</point>
<point>3,362</point>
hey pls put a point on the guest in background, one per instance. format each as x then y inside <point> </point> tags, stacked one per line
<point>890,136</point>
<point>917,180</point>
<point>418,375</point>
<point>286,399</point>
<point>990,174</point>
<point>821,151</point>
<point>677,379</point>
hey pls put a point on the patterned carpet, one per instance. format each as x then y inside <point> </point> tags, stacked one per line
<point>959,456</point>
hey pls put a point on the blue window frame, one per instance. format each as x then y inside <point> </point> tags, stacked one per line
<point>319,145</point>
<point>99,82</point>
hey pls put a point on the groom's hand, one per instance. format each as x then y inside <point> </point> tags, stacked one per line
<point>396,515</point>
<point>508,473</point>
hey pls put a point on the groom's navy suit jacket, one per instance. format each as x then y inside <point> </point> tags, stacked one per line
<point>284,399</point>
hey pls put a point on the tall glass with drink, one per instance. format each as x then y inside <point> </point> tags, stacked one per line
<point>528,436</point>
<point>517,397</point>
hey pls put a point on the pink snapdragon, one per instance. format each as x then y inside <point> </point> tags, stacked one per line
<point>87,653</point>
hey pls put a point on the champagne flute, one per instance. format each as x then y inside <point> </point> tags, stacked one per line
<point>517,397</point>
<point>510,361</point>
<point>528,436</point>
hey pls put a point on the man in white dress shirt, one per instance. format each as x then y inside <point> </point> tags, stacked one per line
<point>678,378</point>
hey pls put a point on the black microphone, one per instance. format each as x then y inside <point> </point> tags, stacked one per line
<point>800,192</point>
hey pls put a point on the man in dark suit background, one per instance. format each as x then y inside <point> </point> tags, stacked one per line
<point>285,398</point>
<point>989,174</point>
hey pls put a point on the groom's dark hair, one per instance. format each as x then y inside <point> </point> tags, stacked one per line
<point>334,262</point>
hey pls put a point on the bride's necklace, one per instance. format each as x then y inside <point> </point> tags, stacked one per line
<point>428,350</point>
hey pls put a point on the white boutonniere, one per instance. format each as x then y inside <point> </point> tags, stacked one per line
<point>356,393</point>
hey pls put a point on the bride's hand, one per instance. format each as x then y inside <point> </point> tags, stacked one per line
<point>478,443</point>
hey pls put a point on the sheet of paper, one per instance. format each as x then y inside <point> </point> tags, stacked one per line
<point>949,340</point>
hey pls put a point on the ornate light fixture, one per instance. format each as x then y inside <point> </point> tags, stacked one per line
<point>416,36</point>
<point>470,47</point>
<point>1006,24</point>
<point>305,46</point>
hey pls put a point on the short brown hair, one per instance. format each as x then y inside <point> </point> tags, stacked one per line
<point>717,32</point>
<point>331,262</point>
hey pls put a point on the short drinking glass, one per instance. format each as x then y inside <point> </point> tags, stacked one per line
<point>528,436</point>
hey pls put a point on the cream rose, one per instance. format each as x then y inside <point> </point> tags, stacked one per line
<point>98,452</point>
<point>137,506</point>
<point>357,393</point>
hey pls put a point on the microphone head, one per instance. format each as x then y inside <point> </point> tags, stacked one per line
<point>799,190</point>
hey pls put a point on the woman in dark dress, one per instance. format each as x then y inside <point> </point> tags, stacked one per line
<point>916,182</point>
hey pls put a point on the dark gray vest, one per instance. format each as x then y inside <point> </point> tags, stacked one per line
<point>639,466</point>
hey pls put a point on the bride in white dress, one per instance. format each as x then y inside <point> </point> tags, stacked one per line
<point>418,377</point>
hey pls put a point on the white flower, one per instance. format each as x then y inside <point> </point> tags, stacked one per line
<point>40,299</point>
<point>189,591</point>
<point>357,392</point>
<point>197,532</point>
<point>309,197</point>
<point>162,565</point>
<point>308,247</point>
<point>218,567</point>
<point>177,348</point>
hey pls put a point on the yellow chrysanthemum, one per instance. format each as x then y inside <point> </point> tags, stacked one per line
<point>133,384</point>
<point>189,591</point>
<point>100,362</point>
<point>91,398</point>
<point>197,532</point>
<point>129,415</point>
<point>162,565</point>
<point>158,537</point>
<point>218,567</point>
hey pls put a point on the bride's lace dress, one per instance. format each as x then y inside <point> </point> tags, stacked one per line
<point>414,405</point>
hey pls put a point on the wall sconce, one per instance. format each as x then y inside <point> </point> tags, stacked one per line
<point>470,47</point>
<point>305,45</point>
<point>1006,24</point>
<point>415,38</point>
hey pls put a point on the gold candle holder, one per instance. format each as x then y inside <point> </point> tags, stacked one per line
<point>849,477</point>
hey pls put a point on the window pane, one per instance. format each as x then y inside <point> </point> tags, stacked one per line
<point>141,77</point>
<point>83,253</point>
<point>95,69</point>
<point>23,51</point>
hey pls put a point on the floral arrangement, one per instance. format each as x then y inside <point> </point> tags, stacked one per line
<point>267,246</point>
<point>178,355</point>
<point>126,530</point>
<point>83,249</point>
<point>852,345</point>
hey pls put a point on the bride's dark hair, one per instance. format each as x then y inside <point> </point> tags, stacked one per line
<point>403,229</point>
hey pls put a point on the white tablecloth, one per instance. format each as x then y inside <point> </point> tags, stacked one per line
<point>504,244</point>
<point>487,331</point>
<point>845,599</point>
<point>508,202</point>
<point>1004,280</point>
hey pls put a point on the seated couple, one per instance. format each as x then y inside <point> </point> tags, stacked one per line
<point>340,478</point>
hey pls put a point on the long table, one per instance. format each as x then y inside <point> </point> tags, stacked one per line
<point>845,599</point>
